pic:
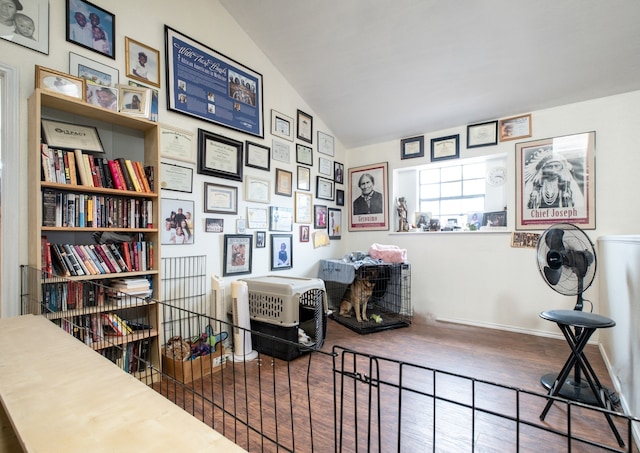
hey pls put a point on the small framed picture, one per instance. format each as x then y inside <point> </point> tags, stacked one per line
<point>143,62</point>
<point>338,172</point>
<point>257,189</point>
<point>101,96</point>
<point>134,101</point>
<point>482,134</point>
<point>214,225</point>
<point>219,156</point>
<point>257,217</point>
<point>241,226</point>
<point>280,219</point>
<point>445,147</point>
<point>340,197</point>
<point>154,96</point>
<point>57,134</point>
<point>412,147</point>
<point>91,27</point>
<point>324,166</point>
<point>281,125</point>
<point>237,254</point>
<point>304,155</point>
<point>281,251</point>
<point>29,25</point>
<point>178,221</point>
<point>319,216</point>
<point>281,151</point>
<point>304,233</point>
<point>220,199</point>
<point>324,188</point>
<point>335,223</point>
<point>303,204</point>
<point>304,178</point>
<point>325,144</point>
<point>305,127</point>
<point>59,82</point>
<point>261,239</point>
<point>515,127</point>
<point>258,156</point>
<point>284,183</point>
<point>92,71</point>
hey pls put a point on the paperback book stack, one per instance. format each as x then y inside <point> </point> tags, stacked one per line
<point>128,291</point>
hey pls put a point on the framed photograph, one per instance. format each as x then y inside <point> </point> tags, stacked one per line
<point>71,136</point>
<point>326,144</point>
<point>219,156</point>
<point>91,27</point>
<point>222,91</point>
<point>319,216</point>
<point>369,196</point>
<point>261,239</point>
<point>515,128</point>
<point>445,148</point>
<point>412,147</point>
<point>258,156</point>
<point>281,251</point>
<point>304,155</point>
<point>324,166</point>
<point>59,82</point>
<point>134,101</point>
<point>304,233</point>
<point>304,178</point>
<point>143,62</point>
<point>176,178</point>
<point>281,151</point>
<point>220,199</point>
<point>154,94</point>
<point>284,182</point>
<point>92,71</point>
<point>214,225</point>
<point>324,188</point>
<point>482,134</point>
<point>494,219</point>
<point>338,172</point>
<point>241,226</point>
<point>237,254</point>
<point>257,217</point>
<point>303,203</point>
<point>304,127</point>
<point>335,223</point>
<point>29,26</point>
<point>280,219</point>
<point>178,221</point>
<point>340,197</point>
<point>177,144</point>
<point>281,125</point>
<point>102,96</point>
<point>257,189</point>
<point>555,182</point>
<point>421,220</point>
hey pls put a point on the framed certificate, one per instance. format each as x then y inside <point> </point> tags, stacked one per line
<point>220,199</point>
<point>176,177</point>
<point>71,136</point>
<point>177,144</point>
<point>219,156</point>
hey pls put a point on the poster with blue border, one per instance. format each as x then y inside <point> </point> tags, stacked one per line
<point>208,85</point>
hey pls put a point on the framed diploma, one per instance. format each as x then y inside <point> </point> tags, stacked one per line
<point>175,177</point>
<point>219,156</point>
<point>220,199</point>
<point>177,144</point>
<point>257,189</point>
<point>71,136</point>
<point>258,156</point>
<point>257,217</point>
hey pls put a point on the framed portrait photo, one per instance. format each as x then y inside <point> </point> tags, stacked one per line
<point>142,62</point>
<point>258,156</point>
<point>369,195</point>
<point>30,27</point>
<point>445,147</point>
<point>555,182</point>
<point>59,82</point>
<point>304,233</point>
<point>134,101</point>
<point>412,147</point>
<point>482,134</point>
<point>338,172</point>
<point>281,251</point>
<point>237,254</point>
<point>340,197</point>
<point>261,239</point>
<point>319,216</point>
<point>91,27</point>
<point>284,182</point>
<point>154,100</point>
<point>515,128</point>
<point>220,199</point>
<point>305,127</point>
<point>177,221</point>
<point>334,225</point>
<point>92,71</point>
<point>219,156</point>
<point>102,96</point>
<point>281,125</point>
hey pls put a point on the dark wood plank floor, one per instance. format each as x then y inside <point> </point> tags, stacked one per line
<point>272,390</point>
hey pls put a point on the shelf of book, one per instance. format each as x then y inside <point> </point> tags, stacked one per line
<point>117,341</point>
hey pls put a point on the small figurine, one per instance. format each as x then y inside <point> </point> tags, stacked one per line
<point>402,214</point>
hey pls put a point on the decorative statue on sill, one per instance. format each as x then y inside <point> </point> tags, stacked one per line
<point>402,214</point>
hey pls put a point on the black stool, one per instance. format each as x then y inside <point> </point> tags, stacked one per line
<point>577,327</point>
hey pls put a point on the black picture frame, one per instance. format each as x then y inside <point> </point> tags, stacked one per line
<point>334,225</point>
<point>304,154</point>
<point>220,199</point>
<point>324,188</point>
<point>238,254</point>
<point>320,216</point>
<point>257,156</point>
<point>94,16</point>
<point>339,197</point>
<point>443,148</point>
<point>261,239</point>
<point>338,172</point>
<point>482,134</point>
<point>412,147</point>
<point>304,127</point>
<point>216,153</point>
<point>304,178</point>
<point>38,12</point>
<point>278,260</point>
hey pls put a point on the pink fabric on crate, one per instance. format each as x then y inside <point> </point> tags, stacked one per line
<point>388,253</point>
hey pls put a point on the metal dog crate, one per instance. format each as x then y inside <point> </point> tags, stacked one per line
<point>279,306</point>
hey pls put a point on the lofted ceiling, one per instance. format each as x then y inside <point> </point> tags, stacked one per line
<point>380,70</point>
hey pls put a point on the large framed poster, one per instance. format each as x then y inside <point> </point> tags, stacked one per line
<point>368,195</point>
<point>208,85</point>
<point>555,182</point>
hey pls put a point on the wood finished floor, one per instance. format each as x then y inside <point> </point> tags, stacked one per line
<point>506,358</point>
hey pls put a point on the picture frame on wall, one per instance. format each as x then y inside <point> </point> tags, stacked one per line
<point>284,182</point>
<point>176,177</point>
<point>304,233</point>
<point>541,200</point>
<point>177,144</point>
<point>280,151</point>
<point>142,62</point>
<point>91,27</point>
<point>324,188</point>
<point>319,216</point>
<point>261,239</point>
<point>219,156</point>
<point>257,217</point>
<point>324,166</point>
<point>334,225</point>
<point>134,101</point>
<point>412,147</point>
<point>281,251</point>
<point>304,178</point>
<point>304,127</point>
<point>34,30</point>
<point>177,217</point>
<point>214,226</point>
<point>304,154</point>
<point>257,189</point>
<point>326,144</point>
<point>303,203</point>
<point>238,254</point>
<point>339,197</point>
<point>369,194</point>
<point>102,96</point>
<point>338,172</point>
<point>515,128</point>
<point>154,100</point>
<point>280,218</point>
<point>445,147</point>
<point>93,71</point>
<point>220,199</point>
<point>281,125</point>
<point>60,83</point>
<point>257,156</point>
<point>482,134</point>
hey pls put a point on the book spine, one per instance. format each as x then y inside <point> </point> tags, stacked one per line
<point>119,258</point>
<point>111,258</point>
<point>48,208</point>
<point>149,171</point>
<point>87,169</point>
<point>94,258</point>
<point>59,264</point>
<point>125,174</point>
<point>132,174</point>
<point>59,167</point>
<point>73,171</point>
<point>113,168</point>
<point>142,175</point>
<point>81,259</point>
<point>103,264</point>
<point>67,172</point>
<point>47,164</point>
<point>75,265</point>
<point>92,169</point>
<point>126,253</point>
<point>82,172</point>
<point>85,261</point>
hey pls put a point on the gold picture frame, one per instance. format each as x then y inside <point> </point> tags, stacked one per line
<point>60,83</point>
<point>143,62</point>
<point>515,128</point>
<point>134,101</point>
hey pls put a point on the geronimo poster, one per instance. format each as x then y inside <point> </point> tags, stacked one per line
<point>555,182</point>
